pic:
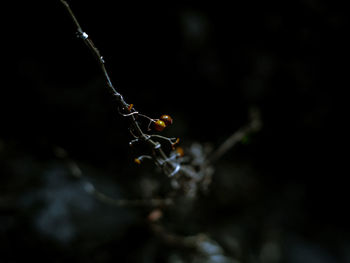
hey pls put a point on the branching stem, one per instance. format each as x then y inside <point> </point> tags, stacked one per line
<point>122,103</point>
<point>183,175</point>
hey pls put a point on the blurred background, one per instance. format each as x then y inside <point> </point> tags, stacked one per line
<point>281,196</point>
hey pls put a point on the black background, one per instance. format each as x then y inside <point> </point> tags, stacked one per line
<point>204,64</point>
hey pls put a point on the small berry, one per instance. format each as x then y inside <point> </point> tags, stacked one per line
<point>159,125</point>
<point>167,119</point>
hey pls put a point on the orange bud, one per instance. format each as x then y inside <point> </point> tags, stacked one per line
<point>179,151</point>
<point>159,125</point>
<point>167,119</point>
<point>130,107</point>
<point>175,143</point>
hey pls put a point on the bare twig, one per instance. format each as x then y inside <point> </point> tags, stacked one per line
<point>158,154</point>
<point>185,176</point>
<point>83,35</point>
<point>236,137</point>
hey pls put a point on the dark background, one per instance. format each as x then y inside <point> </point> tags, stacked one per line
<point>204,64</point>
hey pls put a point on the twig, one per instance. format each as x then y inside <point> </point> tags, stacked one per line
<point>83,35</point>
<point>154,202</point>
<point>230,142</point>
<point>158,153</point>
<point>90,188</point>
<point>183,176</point>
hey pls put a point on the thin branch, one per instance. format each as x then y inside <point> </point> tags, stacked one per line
<point>136,130</point>
<point>154,202</point>
<point>83,35</point>
<point>230,142</point>
<point>90,188</point>
<point>87,40</point>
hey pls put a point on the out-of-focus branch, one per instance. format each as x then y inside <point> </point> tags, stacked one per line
<point>90,188</point>
<point>253,126</point>
<point>154,202</point>
<point>187,242</point>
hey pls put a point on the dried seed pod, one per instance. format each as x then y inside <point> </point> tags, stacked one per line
<point>167,119</point>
